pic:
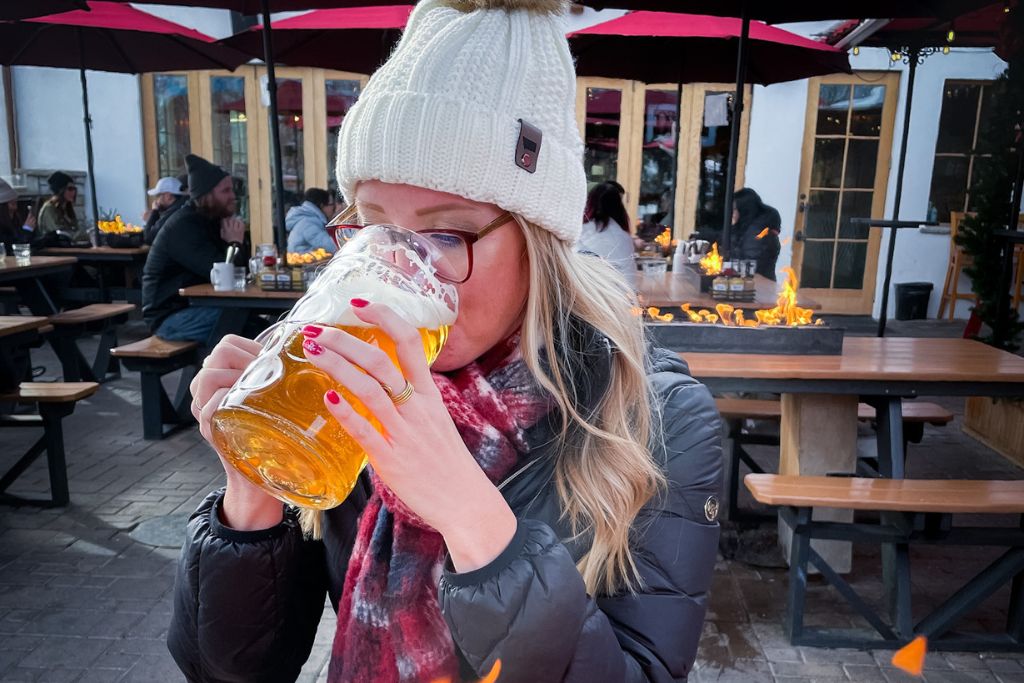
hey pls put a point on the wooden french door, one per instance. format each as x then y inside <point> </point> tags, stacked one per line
<point>846,160</point>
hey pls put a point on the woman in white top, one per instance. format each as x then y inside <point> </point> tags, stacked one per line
<point>606,228</point>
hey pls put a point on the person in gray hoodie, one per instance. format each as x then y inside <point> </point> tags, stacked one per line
<point>305,223</point>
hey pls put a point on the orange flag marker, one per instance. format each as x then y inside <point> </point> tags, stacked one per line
<point>761,235</point>
<point>910,657</point>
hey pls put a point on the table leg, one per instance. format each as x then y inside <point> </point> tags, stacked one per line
<point>819,437</point>
<point>33,293</point>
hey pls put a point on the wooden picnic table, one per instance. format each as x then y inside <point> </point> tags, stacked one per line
<point>17,332</point>
<point>12,325</point>
<point>129,260</point>
<point>238,305</point>
<point>671,290</point>
<point>32,287</point>
<point>820,396</point>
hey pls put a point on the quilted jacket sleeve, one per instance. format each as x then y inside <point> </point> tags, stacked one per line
<point>246,603</point>
<point>529,607</point>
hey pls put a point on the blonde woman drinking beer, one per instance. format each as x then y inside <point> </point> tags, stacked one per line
<point>545,493</point>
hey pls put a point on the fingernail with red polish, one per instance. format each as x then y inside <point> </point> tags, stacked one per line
<point>312,347</point>
<point>359,303</point>
<point>312,331</point>
<point>332,397</point>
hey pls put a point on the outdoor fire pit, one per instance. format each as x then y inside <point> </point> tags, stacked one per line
<point>785,329</point>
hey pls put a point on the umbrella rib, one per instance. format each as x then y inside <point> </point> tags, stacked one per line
<point>27,43</point>
<point>108,34</point>
<point>186,43</point>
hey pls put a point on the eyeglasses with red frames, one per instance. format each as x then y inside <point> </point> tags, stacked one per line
<point>456,246</point>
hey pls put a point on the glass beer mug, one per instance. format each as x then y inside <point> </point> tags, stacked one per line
<point>272,425</point>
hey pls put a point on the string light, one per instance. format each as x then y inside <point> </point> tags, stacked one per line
<point>945,49</point>
<point>856,50</point>
<point>950,36</point>
<point>895,56</point>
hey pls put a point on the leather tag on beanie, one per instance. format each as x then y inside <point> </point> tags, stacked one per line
<point>528,146</point>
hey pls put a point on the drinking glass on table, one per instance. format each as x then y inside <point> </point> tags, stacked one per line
<point>272,425</point>
<point>239,272</point>
<point>22,254</point>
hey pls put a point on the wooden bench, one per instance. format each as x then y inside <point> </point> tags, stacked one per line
<point>72,325</point>
<point>153,358</point>
<point>912,512</point>
<point>54,402</point>
<point>916,414</point>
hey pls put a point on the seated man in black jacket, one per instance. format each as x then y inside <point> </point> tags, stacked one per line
<point>193,239</point>
<point>169,195</point>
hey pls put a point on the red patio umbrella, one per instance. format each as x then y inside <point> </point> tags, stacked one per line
<point>110,37</point>
<point>665,47</point>
<point>347,39</point>
<point>12,10</point>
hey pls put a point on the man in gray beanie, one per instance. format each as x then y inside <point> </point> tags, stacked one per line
<point>194,238</point>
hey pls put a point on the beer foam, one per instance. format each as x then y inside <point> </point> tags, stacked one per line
<point>424,301</point>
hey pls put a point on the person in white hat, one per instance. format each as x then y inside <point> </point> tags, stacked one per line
<point>544,498</point>
<point>13,230</point>
<point>168,196</point>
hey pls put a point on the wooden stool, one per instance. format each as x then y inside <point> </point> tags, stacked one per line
<point>54,401</point>
<point>71,325</point>
<point>153,358</point>
<point>958,260</point>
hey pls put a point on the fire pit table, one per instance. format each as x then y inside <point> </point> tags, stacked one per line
<point>671,290</point>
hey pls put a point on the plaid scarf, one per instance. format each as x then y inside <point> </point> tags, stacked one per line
<point>390,627</point>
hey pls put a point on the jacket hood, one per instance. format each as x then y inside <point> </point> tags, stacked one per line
<point>303,210</point>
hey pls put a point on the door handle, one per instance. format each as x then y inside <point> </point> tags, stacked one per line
<point>799,235</point>
<point>802,206</point>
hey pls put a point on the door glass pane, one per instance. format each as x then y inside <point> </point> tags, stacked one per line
<point>601,135</point>
<point>822,209</point>
<point>959,113</point>
<point>855,205</point>
<point>867,110</point>
<point>230,134</point>
<point>833,106</point>
<point>658,157</point>
<point>949,185</point>
<point>715,135</point>
<point>290,122</point>
<point>861,160</point>
<point>817,264</point>
<point>170,95</point>
<point>341,95</point>
<point>850,260</point>
<point>827,168</point>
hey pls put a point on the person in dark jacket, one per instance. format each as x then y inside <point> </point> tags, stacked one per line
<point>755,232</point>
<point>57,217</point>
<point>193,239</point>
<point>14,229</point>
<point>546,493</point>
<point>168,196</point>
<point>306,223</point>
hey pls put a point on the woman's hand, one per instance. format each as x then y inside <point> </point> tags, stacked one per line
<point>246,506</point>
<point>420,456</point>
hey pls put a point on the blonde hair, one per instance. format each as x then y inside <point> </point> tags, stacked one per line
<point>604,471</point>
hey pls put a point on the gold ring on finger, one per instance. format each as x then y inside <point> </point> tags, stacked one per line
<point>401,398</point>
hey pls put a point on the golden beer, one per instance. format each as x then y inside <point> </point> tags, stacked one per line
<point>272,425</point>
<point>281,436</point>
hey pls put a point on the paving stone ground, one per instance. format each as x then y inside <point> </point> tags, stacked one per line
<point>82,600</point>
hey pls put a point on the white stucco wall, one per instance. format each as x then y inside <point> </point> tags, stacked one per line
<point>776,140</point>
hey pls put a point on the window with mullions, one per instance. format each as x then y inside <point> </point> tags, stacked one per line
<point>965,110</point>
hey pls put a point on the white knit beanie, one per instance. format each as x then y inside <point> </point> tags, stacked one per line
<point>446,111</point>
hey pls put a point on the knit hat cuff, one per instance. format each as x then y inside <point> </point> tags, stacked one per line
<point>448,144</point>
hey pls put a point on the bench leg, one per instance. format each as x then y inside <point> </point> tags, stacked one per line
<point>52,415</point>
<point>799,551</point>
<point>154,406</point>
<point>104,365</point>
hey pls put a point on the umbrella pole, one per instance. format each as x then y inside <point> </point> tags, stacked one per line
<point>88,147</point>
<point>737,123</point>
<point>275,133</point>
<point>913,54</point>
<point>675,159</point>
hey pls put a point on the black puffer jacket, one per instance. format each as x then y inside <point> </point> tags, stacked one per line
<point>246,604</point>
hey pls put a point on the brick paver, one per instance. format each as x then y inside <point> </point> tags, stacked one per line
<point>81,600</point>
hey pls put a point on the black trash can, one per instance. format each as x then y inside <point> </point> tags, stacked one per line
<point>912,300</point>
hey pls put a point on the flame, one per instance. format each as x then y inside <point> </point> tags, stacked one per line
<point>786,311</point>
<point>491,676</point>
<point>117,227</point>
<point>910,658</point>
<point>711,264</point>
<point>761,235</point>
<point>655,313</point>
<point>665,238</point>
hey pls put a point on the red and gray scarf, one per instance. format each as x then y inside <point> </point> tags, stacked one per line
<point>390,627</point>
